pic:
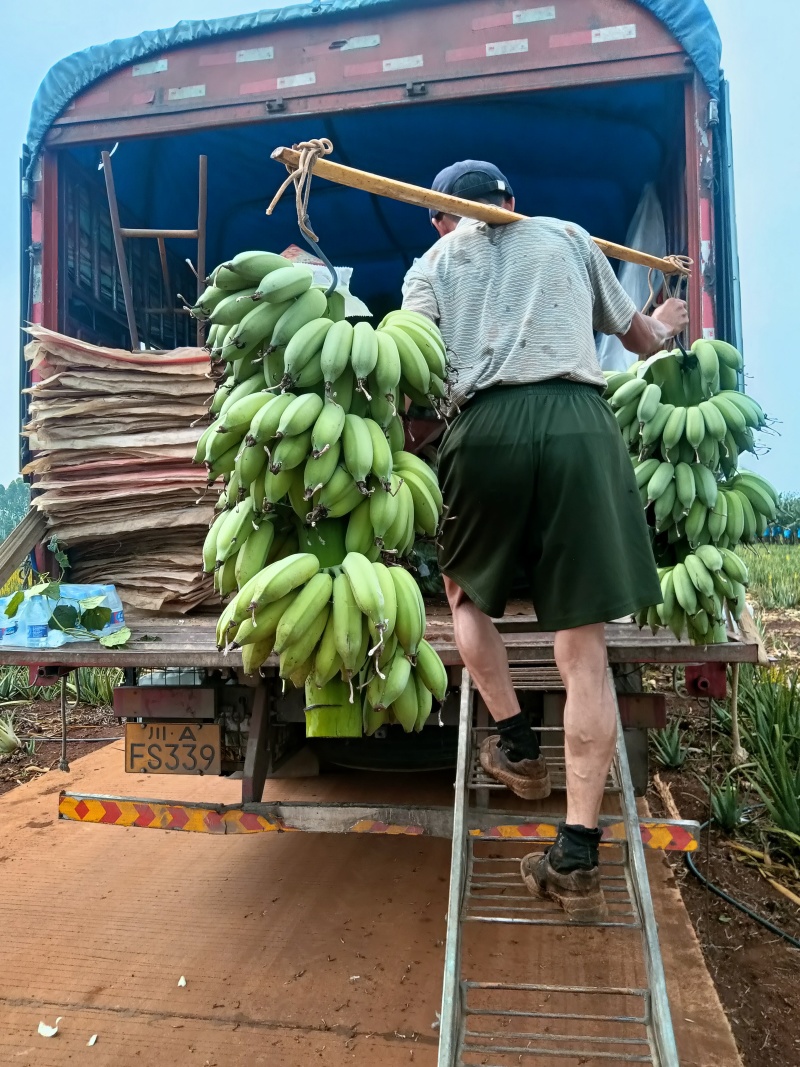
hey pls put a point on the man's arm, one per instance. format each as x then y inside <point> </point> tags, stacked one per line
<point>648,333</point>
<point>418,294</point>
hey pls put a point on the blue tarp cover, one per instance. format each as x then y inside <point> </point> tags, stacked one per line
<point>689,21</point>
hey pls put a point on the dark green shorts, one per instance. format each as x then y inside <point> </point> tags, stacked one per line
<point>538,475</point>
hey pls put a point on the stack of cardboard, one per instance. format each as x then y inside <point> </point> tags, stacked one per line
<point>114,436</point>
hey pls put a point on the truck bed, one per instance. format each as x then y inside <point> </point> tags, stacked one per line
<point>160,641</point>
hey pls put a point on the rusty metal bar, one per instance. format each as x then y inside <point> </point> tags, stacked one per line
<point>119,247</point>
<point>128,231</point>
<point>202,210</point>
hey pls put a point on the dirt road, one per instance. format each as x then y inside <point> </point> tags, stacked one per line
<point>296,949</point>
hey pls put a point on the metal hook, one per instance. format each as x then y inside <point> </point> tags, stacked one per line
<point>314,245</point>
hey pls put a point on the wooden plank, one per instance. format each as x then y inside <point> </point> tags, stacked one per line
<point>21,542</point>
<point>377,185</point>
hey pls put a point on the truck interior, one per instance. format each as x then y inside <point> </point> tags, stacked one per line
<point>584,154</point>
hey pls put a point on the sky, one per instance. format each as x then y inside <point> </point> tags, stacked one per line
<point>759,57</point>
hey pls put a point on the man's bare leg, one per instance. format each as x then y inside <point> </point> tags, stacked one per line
<point>483,653</point>
<point>589,720</point>
<point>569,871</point>
<point>512,756</point>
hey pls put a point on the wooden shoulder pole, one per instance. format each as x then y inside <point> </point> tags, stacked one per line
<point>453,205</point>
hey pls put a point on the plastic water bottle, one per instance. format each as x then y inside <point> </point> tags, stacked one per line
<point>117,620</point>
<point>34,616</point>
<point>8,627</point>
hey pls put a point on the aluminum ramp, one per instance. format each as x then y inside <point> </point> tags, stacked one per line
<point>538,1019</point>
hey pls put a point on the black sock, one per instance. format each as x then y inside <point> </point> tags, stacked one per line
<point>517,739</point>
<point>576,848</point>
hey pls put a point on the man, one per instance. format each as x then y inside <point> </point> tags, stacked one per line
<point>533,469</point>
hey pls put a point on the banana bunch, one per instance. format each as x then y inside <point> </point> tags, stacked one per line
<point>695,594</point>
<point>685,425</point>
<point>320,503</point>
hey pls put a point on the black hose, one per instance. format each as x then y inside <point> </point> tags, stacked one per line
<point>793,941</point>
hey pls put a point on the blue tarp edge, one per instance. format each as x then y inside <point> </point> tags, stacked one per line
<point>689,21</point>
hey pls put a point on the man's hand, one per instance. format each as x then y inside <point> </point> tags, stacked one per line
<point>674,314</point>
<point>648,333</point>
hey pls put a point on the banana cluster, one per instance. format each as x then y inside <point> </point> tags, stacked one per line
<point>695,594</point>
<point>320,502</point>
<point>685,425</point>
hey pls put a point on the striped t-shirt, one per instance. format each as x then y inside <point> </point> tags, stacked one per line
<point>518,303</point>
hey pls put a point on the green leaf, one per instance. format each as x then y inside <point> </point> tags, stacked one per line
<point>65,617</point>
<point>121,637</point>
<point>52,590</point>
<point>91,602</point>
<point>13,605</point>
<point>96,618</point>
<point>61,558</point>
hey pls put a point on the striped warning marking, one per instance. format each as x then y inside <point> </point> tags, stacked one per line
<point>669,837</point>
<point>515,18</point>
<point>601,36</point>
<point>484,51</point>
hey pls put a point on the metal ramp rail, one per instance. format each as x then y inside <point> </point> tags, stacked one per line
<point>497,1024</point>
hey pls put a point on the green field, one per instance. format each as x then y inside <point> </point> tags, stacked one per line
<point>774,574</point>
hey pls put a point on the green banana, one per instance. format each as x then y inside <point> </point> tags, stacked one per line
<point>319,469</point>
<point>695,521</point>
<point>699,574</point>
<point>210,543</point>
<point>716,426</point>
<point>685,485</point>
<point>305,608</point>
<point>300,415</point>
<point>426,513</point>
<point>662,478</point>
<point>695,427</point>
<point>730,413</point>
<point>414,369</point>
<point>290,452</point>
<point>231,309</point>
<point>674,428</point>
<point>685,592</point>
<point>336,349</point>
<point>385,377</point>
<point>710,557</point>
<point>705,484</point>
<point>285,283</point>
<point>382,692</point>
<point>734,567</point>
<point>296,660</point>
<point>382,465</point>
<point>311,305</point>
<point>644,471</point>
<point>717,521</point>
<point>252,266</point>
<point>280,578</point>
<point>366,588</point>
<point>428,339</point>
<point>364,353</point>
<point>250,463</point>
<point>235,530</point>
<point>648,403</point>
<point>360,536</point>
<point>357,449</point>
<point>424,702</point>
<point>410,622</point>
<point>303,346</point>
<point>727,354</point>
<point>328,427</point>
<point>432,672</point>
<point>252,556</point>
<point>257,326</point>
<point>348,625</point>
<point>651,431</point>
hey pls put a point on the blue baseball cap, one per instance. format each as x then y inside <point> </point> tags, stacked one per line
<point>471,179</point>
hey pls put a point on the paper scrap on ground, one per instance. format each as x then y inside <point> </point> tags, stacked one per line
<point>92,1041</point>
<point>49,1031</point>
<point>181,981</point>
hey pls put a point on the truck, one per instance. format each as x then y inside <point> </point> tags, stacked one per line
<point>587,105</point>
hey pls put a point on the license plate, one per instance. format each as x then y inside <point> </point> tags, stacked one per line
<point>172,748</point>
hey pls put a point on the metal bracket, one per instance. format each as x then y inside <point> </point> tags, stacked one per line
<point>707,680</point>
<point>46,676</point>
<point>275,106</point>
<point>416,89</point>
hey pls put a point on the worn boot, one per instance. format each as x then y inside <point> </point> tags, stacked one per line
<point>569,874</point>
<point>513,758</point>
